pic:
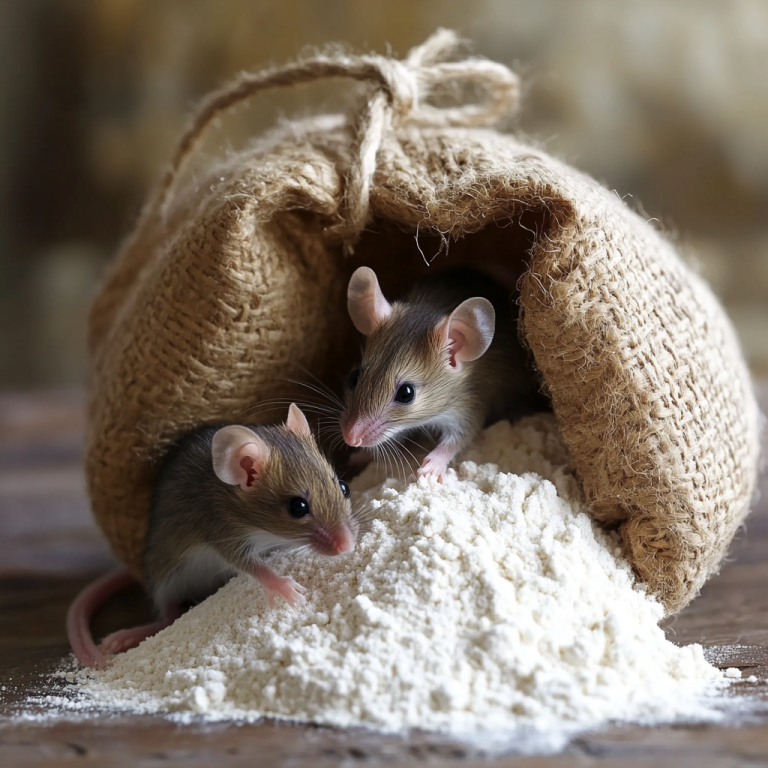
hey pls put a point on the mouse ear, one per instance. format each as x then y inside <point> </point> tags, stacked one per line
<point>239,456</point>
<point>365,301</point>
<point>297,421</point>
<point>468,331</point>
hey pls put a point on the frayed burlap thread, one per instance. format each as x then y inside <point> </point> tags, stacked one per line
<point>228,284</point>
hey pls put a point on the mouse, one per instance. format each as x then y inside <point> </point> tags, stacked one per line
<point>445,358</point>
<point>225,496</point>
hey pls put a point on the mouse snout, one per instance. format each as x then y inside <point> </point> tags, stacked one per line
<point>344,539</point>
<point>362,432</point>
<point>334,541</point>
<point>350,429</point>
<point>352,435</point>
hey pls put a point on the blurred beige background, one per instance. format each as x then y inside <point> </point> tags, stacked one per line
<point>666,102</point>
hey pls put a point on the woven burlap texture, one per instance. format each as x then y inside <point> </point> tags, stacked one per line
<point>232,279</point>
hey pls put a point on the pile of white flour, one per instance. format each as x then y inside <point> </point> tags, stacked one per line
<point>490,602</point>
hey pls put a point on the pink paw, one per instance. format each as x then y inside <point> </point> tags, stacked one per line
<point>432,468</point>
<point>284,586</point>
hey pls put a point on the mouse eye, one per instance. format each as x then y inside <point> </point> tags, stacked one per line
<point>298,507</point>
<point>344,488</point>
<point>354,377</point>
<point>405,394</point>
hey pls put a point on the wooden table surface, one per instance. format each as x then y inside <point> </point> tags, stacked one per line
<point>49,548</point>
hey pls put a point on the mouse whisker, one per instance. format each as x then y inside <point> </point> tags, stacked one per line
<point>333,430</point>
<point>329,425</point>
<point>388,459</point>
<point>381,457</point>
<point>415,442</point>
<point>319,381</point>
<point>404,463</point>
<point>324,408</point>
<point>327,396</point>
<point>301,541</point>
<point>364,516</point>
<point>331,442</point>
<point>394,458</point>
<point>402,448</point>
<point>407,450</point>
<point>326,393</point>
<point>289,545</point>
<point>272,401</point>
<point>329,420</point>
<point>318,410</point>
<point>275,404</point>
<point>263,406</point>
<point>374,451</point>
<point>286,401</point>
<point>328,434</point>
<point>324,437</point>
<point>301,547</point>
<point>319,407</point>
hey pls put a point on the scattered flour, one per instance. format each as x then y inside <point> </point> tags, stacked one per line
<point>488,603</point>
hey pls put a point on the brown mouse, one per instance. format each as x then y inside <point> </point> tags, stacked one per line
<point>225,496</point>
<point>446,358</point>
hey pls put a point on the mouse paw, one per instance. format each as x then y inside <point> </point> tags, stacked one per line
<point>436,463</point>
<point>430,470</point>
<point>284,586</point>
<point>291,591</point>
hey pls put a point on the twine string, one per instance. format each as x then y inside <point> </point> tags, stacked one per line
<point>397,97</point>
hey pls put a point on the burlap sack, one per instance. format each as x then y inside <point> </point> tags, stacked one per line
<point>229,282</point>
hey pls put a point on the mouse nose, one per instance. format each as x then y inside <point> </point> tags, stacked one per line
<point>343,540</point>
<point>351,434</point>
<point>334,540</point>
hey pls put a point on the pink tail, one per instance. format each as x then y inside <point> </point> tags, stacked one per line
<point>82,609</point>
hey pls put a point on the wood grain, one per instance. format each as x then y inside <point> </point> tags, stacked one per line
<point>49,549</point>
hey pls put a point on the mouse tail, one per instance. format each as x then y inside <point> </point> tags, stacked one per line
<point>80,612</point>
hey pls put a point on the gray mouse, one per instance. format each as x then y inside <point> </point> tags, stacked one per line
<point>224,497</point>
<point>446,358</point>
